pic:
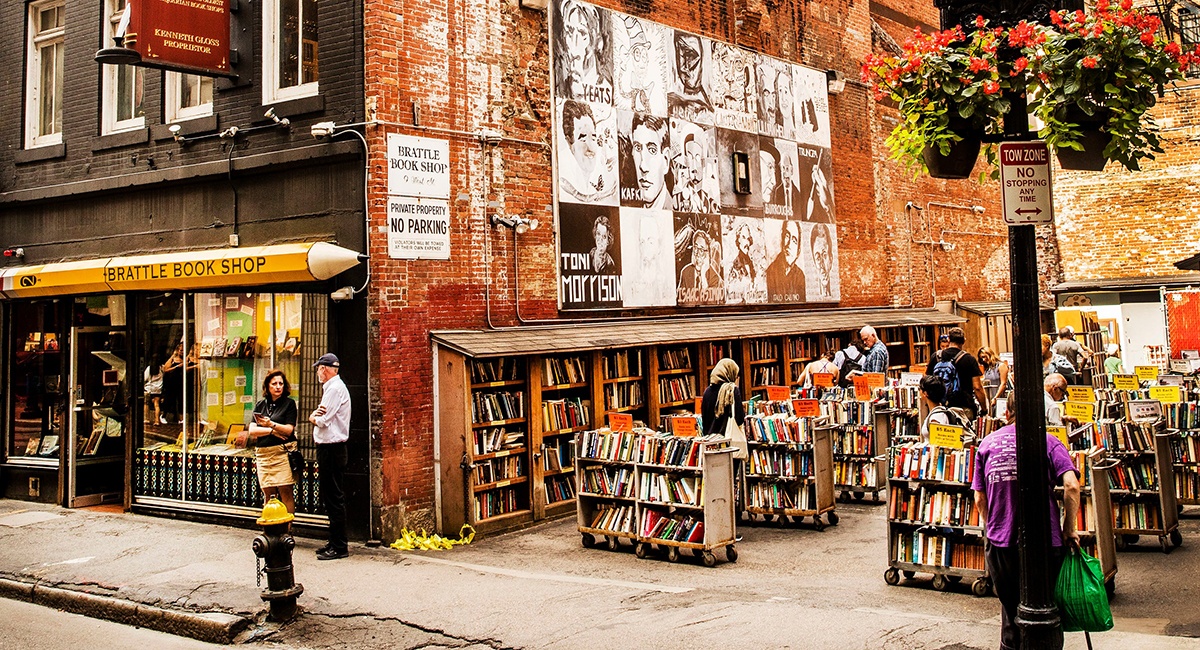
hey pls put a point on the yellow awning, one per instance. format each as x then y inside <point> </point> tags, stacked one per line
<point>202,269</point>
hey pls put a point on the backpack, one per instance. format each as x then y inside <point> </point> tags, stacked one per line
<point>848,366</point>
<point>956,417</point>
<point>1063,366</point>
<point>947,370</point>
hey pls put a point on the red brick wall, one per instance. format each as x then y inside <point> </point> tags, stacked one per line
<point>484,65</point>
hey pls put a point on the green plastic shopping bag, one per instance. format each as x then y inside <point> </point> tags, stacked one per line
<point>1080,594</point>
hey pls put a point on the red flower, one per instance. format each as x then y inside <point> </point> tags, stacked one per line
<point>1147,38</point>
<point>1080,17</point>
<point>1019,65</point>
<point>978,64</point>
<point>991,87</point>
<point>1173,49</point>
<point>1055,18</point>
<point>1089,62</point>
<point>1126,4</point>
<point>980,22</point>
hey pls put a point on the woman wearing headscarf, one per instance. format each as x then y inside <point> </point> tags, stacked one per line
<point>722,400</point>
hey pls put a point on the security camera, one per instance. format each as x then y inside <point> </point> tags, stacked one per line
<point>270,115</point>
<point>174,129</point>
<point>229,133</point>
<point>912,206</point>
<point>322,129</point>
<point>977,209</point>
<point>343,294</point>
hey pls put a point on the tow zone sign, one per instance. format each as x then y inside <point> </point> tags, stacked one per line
<point>1025,183</point>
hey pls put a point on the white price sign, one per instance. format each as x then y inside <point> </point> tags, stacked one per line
<point>1025,180</point>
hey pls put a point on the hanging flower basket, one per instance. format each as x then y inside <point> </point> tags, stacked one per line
<point>958,159</point>
<point>1092,140</point>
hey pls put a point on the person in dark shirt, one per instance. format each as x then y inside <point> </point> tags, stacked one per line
<point>970,382</point>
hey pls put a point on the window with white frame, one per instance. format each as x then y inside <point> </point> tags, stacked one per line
<point>122,107</point>
<point>187,96</point>
<point>290,52</point>
<point>44,75</point>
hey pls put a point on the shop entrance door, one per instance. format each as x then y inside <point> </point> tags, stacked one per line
<point>99,419</point>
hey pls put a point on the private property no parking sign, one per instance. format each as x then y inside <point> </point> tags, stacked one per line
<point>1025,181</point>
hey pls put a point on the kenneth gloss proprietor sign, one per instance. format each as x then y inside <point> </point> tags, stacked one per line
<point>182,35</point>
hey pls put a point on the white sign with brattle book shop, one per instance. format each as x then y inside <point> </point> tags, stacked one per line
<point>418,210</point>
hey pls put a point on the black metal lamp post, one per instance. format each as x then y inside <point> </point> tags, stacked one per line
<point>1037,615</point>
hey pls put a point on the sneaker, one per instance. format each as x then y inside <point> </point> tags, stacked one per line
<point>332,554</point>
<point>323,549</point>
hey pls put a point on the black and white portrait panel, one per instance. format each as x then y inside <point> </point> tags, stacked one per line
<point>590,256</point>
<point>641,64</point>
<point>745,260</point>
<point>735,93</point>
<point>648,250</point>
<point>775,99</point>
<point>696,187</point>
<point>783,241</point>
<point>821,262</point>
<point>645,149</point>
<point>690,96</point>
<point>698,260</point>
<point>816,183</point>
<point>730,142</point>
<point>582,53</point>
<point>812,106</point>
<point>587,153</point>
<point>780,192</point>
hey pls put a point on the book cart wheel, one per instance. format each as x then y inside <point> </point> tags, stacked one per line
<point>817,523</point>
<point>875,497</point>
<point>672,553</point>
<point>908,575</point>
<point>858,496</point>
<point>1162,541</point>
<point>589,540</point>
<point>940,583</point>
<point>731,553</point>
<point>833,518</point>
<point>1110,587</point>
<point>954,579</point>
<point>844,495</point>
<point>1176,538</point>
<point>981,587</point>
<point>1122,542</point>
<point>613,543</point>
<point>892,577</point>
<point>710,560</point>
<point>639,550</point>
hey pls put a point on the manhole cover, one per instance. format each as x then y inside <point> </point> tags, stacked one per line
<point>26,518</point>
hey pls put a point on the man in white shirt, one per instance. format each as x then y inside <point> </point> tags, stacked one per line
<point>1055,386</point>
<point>331,430</point>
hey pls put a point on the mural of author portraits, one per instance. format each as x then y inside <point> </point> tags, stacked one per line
<point>690,172</point>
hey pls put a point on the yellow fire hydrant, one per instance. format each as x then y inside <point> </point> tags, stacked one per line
<point>274,547</point>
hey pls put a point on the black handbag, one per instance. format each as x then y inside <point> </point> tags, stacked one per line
<point>296,460</point>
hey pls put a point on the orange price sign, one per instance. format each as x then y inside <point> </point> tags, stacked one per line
<point>806,408</point>
<point>620,421</point>
<point>699,405</point>
<point>822,379</point>
<point>683,426</point>
<point>778,393</point>
<point>862,388</point>
<point>875,380</point>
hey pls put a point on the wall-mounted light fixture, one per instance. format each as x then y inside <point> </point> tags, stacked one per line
<point>539,5</point>
<point>521,224</point>
<point>14,252</point>
<point>837,81</point>
<point>281,121</point>
<point>741,172</point>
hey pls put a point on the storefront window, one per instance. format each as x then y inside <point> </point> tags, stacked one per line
<point>37,403</point>
<point>207,354</point>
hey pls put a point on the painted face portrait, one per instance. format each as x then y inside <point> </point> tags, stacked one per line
<point>701,251</point>
<point>581,51</point>
<point>822,251</point>
<point>650,157</point>
<point>689,58</point>
<point>768,107</point>
<point>584,147</point>
<point>784,101</point>
<point>790,242</point>
<point>767,173</point>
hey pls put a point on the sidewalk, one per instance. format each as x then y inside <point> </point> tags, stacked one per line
<point>540,589</point>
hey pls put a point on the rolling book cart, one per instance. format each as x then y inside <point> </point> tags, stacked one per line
<point>656,490</point>
<point>1095,529</point>
<point>933,526</point>
<point>1184,418</point>
<point>789,471</point>
<point>860,440</point>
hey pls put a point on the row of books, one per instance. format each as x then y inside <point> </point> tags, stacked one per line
<point>1185,450</point>
<point>615,482</point>
<point>559,454</point>
<point>662,488</point>
<point>493,406</point>
<point>567,413</point>
<point>564,370</point>
<point>781,495</point>
<point>1182,415</point>
<point>1080,458</point>
<point>932,506</point>
<point>676,388</point>
<point>1137,516</point>
<point>604,444</point>
<point>1134,473</point>
<point>920,460</point>
<point>904,427</point>
<point>675,528</point>
<point>644,446</point>
<point>778,428</point>
<point>849,412</point>
<point>217,479</point>
<point>495,439</point>
<point>780,463</point>
<point>624,395</point>
<point>856,472</point>
<point>666,449</point>
<point>623,363</point>
<point>499,469</point>
<point>807,347</point>
<point>765,376</point>
<point>1121,436</point>
<point>490,370</point>
<point>674,358</point>
<point>897,397</point>
<point>1187,483</point>
<point>931,549</point>
<point>854,440</point>
<point>761,349</point>
<point>560,488</point>
<point>615,518</point>
<point>493,503</point>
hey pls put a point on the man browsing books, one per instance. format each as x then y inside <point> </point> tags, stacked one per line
<point>996,498</point>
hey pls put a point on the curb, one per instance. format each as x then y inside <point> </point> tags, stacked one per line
<point>211,627</point>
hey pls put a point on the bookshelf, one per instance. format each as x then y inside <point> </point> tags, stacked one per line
<point>1184,418</point>
<point>673,372</point>
<point>561,386</point>
<point>498,453</point>
<point>898,413</point>
<point>762,364</point>
<point>922,347</point>
<point>860,438</point>
<point>789,471</point>
<point>798,352</point>
<point>899,345</point>
<point>1095,532</point>
<point>623,382</point>
<point>933,525</point>
<point>656,490</point>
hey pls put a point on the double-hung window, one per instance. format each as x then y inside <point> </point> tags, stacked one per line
<point>124,87</point>
<point>44,76</point>
<point>290,51</point>
<point>187,96</point>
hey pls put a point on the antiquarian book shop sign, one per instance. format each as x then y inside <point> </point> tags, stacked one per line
<point>418,217</point>
<point>181,35</point>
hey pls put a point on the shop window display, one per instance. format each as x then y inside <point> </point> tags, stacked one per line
<point>215,349</point>
<point>37,400</point>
